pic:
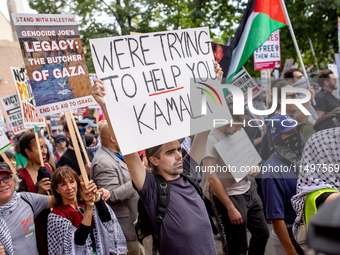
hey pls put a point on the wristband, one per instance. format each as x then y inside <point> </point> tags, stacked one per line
<point>98,198</point>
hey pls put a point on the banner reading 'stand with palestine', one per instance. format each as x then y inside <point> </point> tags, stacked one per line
<point>55,62</point>
<point>26,98</point>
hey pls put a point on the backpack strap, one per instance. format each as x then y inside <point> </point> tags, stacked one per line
<point>162,206</point>
<point>187,175</point>
<point>27,203</point>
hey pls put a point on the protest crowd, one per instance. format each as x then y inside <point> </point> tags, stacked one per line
<point>267,176</point>
<point>123,211</point>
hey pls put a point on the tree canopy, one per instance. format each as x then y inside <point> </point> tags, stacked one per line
<point>312,19</point>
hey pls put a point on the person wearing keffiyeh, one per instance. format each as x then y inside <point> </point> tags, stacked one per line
<point>81,222</point>
<point>17,214</point>
<point>319,170</point>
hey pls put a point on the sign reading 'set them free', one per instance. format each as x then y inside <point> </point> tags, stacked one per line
<point>268,56</point>
<point>155,83</point>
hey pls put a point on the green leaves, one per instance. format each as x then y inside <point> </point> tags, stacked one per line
<point>313,19</point>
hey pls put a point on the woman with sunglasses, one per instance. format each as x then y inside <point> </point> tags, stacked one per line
<point>81,222</point>
<point>61,147</point>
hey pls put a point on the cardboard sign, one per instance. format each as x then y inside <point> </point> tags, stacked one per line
<point>268,56</point>
<point>26,98</point>
<point>155,85</point>
<point>55,62</point>
<point>238,152</point>
<point>5,145</point>
<point>244,81</point>
<point>12,108</point>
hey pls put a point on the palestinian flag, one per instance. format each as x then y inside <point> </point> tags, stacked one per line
<point>261,18</point>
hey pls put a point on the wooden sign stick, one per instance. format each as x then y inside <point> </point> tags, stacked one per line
<point>76,148</point>
<point>48,126</point>
<point>3,155</point>
<point>79,138</point>
<point>96,115</point>
<point>36,130</point>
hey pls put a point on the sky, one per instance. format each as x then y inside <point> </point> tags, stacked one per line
<point>3,8</point>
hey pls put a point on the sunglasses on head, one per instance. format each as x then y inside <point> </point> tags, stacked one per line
<point>60,141</point>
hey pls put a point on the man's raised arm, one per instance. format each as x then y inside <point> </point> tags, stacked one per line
<point>133,162</point>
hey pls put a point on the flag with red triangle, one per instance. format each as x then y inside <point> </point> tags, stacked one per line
<point>261,18</point>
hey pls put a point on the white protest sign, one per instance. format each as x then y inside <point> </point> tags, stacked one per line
<point>238,152</point>
<point>268,56</point>
<point>244,81</point>
<point>334,69</point>
<point>152,81</point>
<point>26,98</point>
<point>11,106</point>
<point>5,145</point>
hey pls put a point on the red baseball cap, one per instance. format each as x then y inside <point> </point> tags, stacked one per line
<point>5,168</point>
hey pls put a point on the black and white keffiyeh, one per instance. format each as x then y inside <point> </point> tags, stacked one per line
<point>5,236</point>
<point>109,236</point>
<point>320,164</point>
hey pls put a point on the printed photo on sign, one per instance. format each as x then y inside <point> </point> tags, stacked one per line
<point>26,98</point>
<point>55,62</point>
<point>148,80</point>
<point>219,50</point>
<point>12,108</point>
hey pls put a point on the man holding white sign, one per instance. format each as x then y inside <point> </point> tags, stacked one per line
<point>186,213</point>
<point>236,200</point>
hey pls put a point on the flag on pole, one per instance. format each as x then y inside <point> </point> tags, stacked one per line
<point>261,18</point>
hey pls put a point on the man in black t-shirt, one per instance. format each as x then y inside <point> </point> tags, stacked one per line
<point>325,101</point>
